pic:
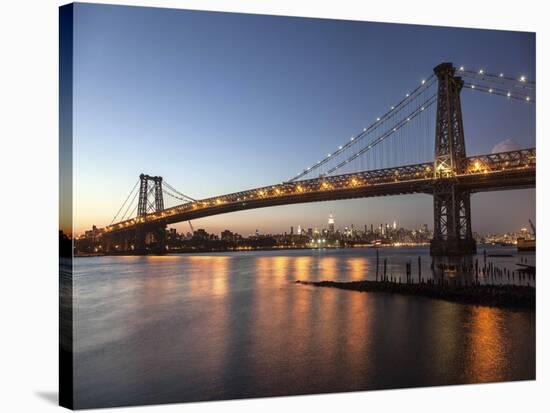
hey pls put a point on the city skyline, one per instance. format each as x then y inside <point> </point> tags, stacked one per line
<point>300,85</point>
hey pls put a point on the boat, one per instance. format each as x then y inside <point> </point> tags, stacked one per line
<point>526,244</point>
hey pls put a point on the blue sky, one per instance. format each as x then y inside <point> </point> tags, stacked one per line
<point>220,102</point>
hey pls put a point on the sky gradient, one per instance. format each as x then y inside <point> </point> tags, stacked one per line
<point>221,102</point>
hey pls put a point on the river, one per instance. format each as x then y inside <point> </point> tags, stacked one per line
<point>174,328</point>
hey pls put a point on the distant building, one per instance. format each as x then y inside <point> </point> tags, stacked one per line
<point>201,234</point>
<point>331,224</point>
<point>227,236</point>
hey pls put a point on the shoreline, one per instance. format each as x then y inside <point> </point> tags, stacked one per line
<point>206,251</point>
<point>502,296</point>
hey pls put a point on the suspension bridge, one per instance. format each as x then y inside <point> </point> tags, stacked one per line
<point>377,161</point>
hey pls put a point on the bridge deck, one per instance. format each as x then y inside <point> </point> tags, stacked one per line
<point>507,170</point>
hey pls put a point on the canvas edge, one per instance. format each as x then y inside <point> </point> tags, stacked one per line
<point>66,365</point>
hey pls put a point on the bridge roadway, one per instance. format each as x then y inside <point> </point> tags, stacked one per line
<point>506,170</point>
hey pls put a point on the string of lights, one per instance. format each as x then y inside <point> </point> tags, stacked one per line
<point>394,110</point>
<point>417,111</point>
<point>499,92</point>
<point>520,81</point>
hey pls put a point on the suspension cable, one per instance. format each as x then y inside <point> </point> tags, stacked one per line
<point>124,203</point>
<point>129,206</point>
<point>430,101</point>
<point>125,216</point>
<point>178,192</point>
<point>521,81</point>
<point>498,92</point>
<point>425,84</point>
<point>175,196</point>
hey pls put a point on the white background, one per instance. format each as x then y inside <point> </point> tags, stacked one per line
<point>28,204</point>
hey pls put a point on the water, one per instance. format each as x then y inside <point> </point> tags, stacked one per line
<point>221,326</point>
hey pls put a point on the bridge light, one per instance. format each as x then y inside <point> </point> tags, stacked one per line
<point>408,119</point>
<point>407,95</point>
<point>490,90</point>
<point>508,94</point>
<point>393,107</point>
<point>423,81</point>
<point>480,71</point>
<point>461,68</point>
<point>501,75</point>
<point>422,108</point>
<point>527,98</point>
<point>328,156</point>
<point>352,138</point>
<point>473,86</point>
<point>522,79</point>
<point>364,129</point>
<point>377,119</point>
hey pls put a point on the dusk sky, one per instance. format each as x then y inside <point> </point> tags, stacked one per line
<point>219,102</point>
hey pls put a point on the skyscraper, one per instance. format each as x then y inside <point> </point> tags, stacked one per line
<point>331,224</point>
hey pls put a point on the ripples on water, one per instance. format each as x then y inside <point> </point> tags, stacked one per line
<point>220,326</point>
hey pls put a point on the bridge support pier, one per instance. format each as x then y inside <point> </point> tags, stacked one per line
<point>139,246</point>
<point>452,222</point>
<point>452,247</point>
<point>150,240</point>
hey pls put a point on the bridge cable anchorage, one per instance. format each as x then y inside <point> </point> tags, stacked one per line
<point>499,92</point>
<point>391,131</point>
<point>520,81</point>
<point>409,97</point>
<point>124,203</point>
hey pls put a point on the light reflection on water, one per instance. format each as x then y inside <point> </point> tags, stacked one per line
<point>220,326</point>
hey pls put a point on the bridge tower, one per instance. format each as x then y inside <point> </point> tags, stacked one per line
<point>158,233</point>
<point>452,218</point>
<point>143,201</point>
